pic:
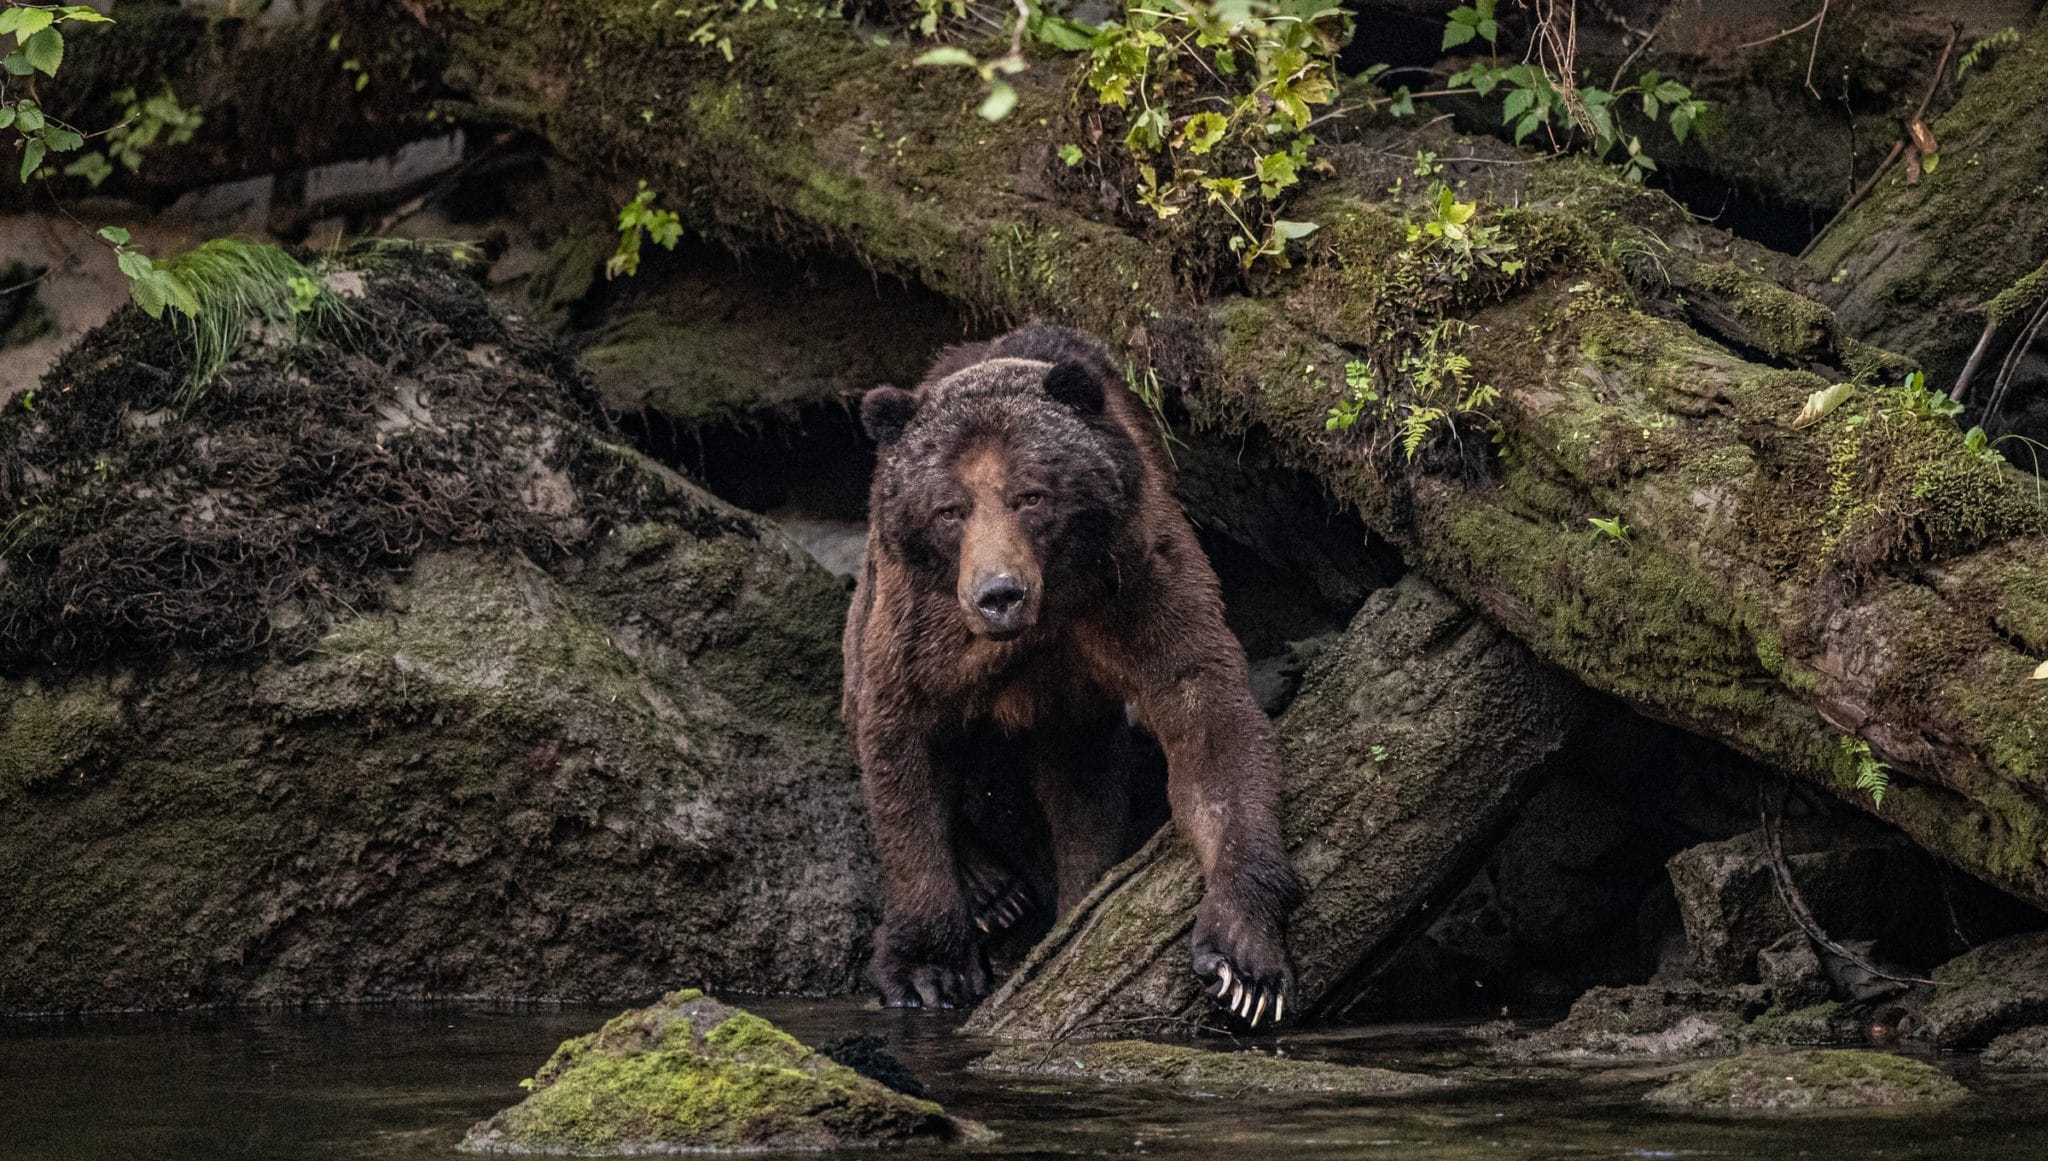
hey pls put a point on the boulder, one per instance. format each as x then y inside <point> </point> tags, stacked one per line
<point>1646,1022</point>
<point>1989,990</point>
<point>1214,1073</point>
<point>1799,1081</point>
<point>2023,1051</point>
<point>371,665</point>
<point>689,1074</point>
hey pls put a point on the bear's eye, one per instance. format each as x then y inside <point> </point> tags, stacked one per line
<point>953,513</point>
<point>1028,500</point>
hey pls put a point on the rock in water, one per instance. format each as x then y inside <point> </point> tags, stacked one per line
<point>1826,1079</point>
<point>1988,990</point>
<point>373,666</point>
<point>690,1074</point>
<point>1201,1070</point>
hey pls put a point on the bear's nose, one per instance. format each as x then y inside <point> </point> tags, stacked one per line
<point>999,598</point>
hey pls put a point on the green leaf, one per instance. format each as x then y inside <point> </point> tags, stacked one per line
<point>948,55</point>
<point>1204,130</point>
<point>6,116</point>
<point>84,15</point>
<point>45,51</point>
<point>1070,153</point>
<point>28,117</point>
<point>62,140</point>
<point>1002,98</point>
<point>1517,104</point>
<point>1065,35</point>
<point>1292,230</point>
<point>133,264</point>
<point>1930,163</point>
<point>16,64</point>
<point>32,157</point>
<point>1458,32</point>
<point>115,234</point>
<point>25,22</point>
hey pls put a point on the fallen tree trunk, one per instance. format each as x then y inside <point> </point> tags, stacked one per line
<point>1860,591</point>
<point>1408,750</point>
<point>1917,266</point>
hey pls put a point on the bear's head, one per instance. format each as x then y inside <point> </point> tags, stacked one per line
<point>1006,481</point>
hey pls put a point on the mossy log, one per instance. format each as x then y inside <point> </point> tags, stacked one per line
<point>1795,592</point>
<point>1917,266</point>
<point>1408,749</point>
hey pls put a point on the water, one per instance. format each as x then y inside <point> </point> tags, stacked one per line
<point>403,1084</point>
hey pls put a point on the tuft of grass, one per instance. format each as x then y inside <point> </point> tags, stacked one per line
<point>238,287</point>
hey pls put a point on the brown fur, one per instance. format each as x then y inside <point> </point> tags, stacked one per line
<point>1023,463</point>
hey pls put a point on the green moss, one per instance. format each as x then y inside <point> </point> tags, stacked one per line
<point>2022,297</point>
<point>690,1073</point>
<point>1202,1070</point>
<point>1783,324</point>
<point>1823,1079</point>
<point>43,733</point>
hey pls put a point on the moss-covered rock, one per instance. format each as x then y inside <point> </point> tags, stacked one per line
<point>1206,1071</point>
<point>1988,990</point>
<point>1646,1022</point>
<point>1826,1079</point>
<point>578,741</point>
<point>690,1074</point>
<point>2023,1051</point>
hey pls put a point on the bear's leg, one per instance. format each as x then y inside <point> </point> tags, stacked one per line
<point>927,954</point>
<point>1081,774</point>
<point>1186,674</point>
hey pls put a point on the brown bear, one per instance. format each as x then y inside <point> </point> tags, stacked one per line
<point>1030,575</point>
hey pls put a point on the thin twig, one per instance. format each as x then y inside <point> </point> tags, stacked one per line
<point>2011,365</point>
<point>1795,30</point>
<point>1976,357</point>
<point>1781,875</point>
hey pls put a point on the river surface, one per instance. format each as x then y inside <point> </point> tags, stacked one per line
<point>404,1083</point>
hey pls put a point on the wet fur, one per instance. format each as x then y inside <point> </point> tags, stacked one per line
<point>1129,614</point>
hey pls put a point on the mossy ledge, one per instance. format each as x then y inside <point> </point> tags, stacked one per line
<point>1205,1071</point>
<point>1830,1078</point>
<point>690,1074</point>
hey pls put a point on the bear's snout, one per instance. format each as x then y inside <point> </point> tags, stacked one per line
<point>1002,603</point>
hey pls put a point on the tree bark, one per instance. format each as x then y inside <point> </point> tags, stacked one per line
<point>1917,266</point>
<point>1864,581</point>
<point>1408,749</point>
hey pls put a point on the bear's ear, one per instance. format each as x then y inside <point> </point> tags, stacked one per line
<point>885,412</point>
<point>1076,386</point>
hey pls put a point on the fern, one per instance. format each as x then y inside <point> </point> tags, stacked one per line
<point>1872,775</point>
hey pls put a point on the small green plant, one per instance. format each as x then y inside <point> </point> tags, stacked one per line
<point>152,287</point>
<point>1358,392</point>
<point>1146,386</point>
<point>638,221</point>
<point>1986,46</point>
<point>1926,402</point>
<point>1462,243</point>
<point>1872,775</point>
<point>227,288</point>
<point>1610,527</point>
<point>1379,753</point>
<point>144,123</point>
<point>1544,92</point>
<point>38,48</point>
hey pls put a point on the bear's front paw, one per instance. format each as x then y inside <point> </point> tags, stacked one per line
<point>929,964</point>
<point>1243,963</point>
<point>997,894</point>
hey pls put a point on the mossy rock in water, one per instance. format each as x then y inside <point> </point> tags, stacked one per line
<point>380,669</point>
<point>1990,989</point>
<point>690,1074</point>
<point>2023,1051</point>
<point>1142,1062</point>
<point>1825,1079</point>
